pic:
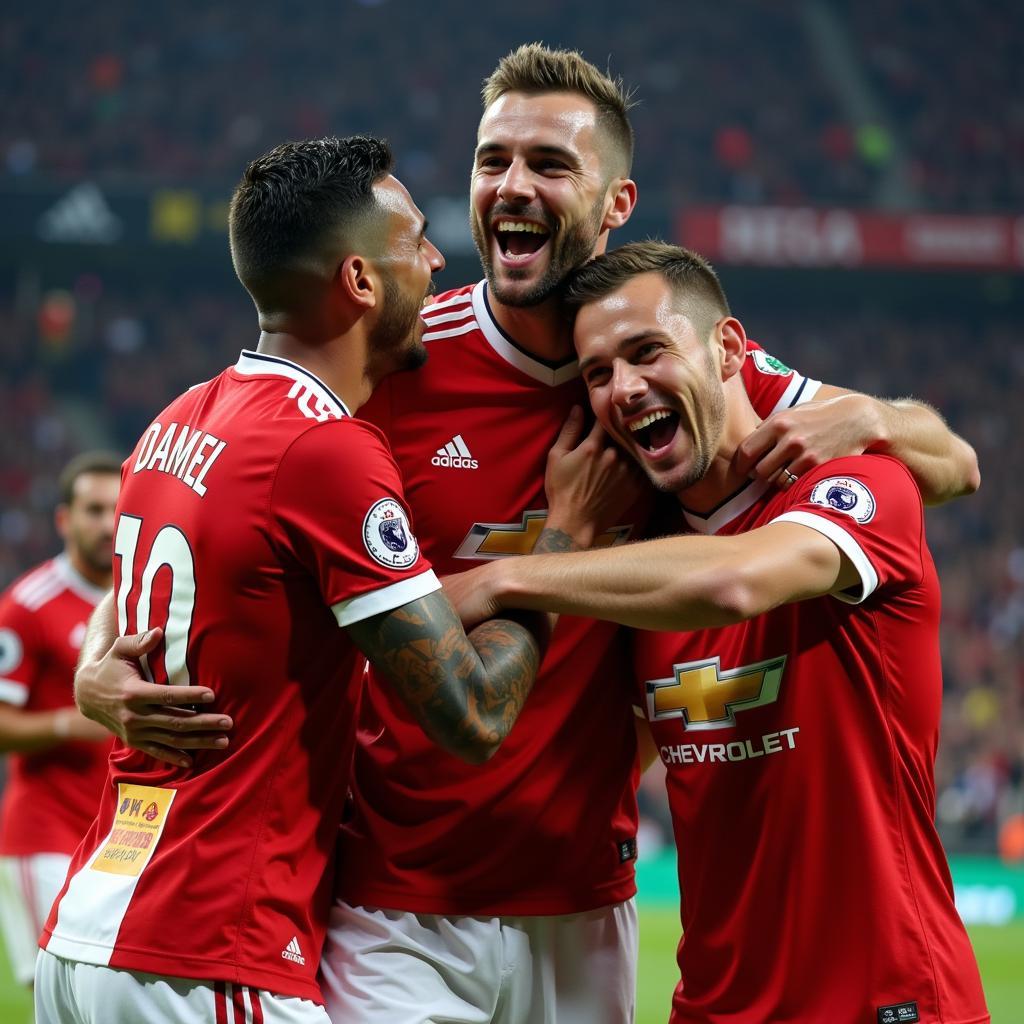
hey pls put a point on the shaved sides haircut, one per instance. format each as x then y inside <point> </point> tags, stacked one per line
<point>695,286</point>
<point>298,206</point>
<point>533,69</point>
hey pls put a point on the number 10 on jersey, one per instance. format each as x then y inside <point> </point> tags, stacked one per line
<point>171,552</point>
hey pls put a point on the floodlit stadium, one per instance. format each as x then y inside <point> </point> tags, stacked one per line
<point>854,173</point>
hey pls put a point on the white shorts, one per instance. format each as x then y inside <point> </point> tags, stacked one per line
<point>393,967</point>
<point>28,887</point>
<point>68,992</point>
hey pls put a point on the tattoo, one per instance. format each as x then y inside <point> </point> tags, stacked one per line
<point>465,692</point>
<point>553,541</point>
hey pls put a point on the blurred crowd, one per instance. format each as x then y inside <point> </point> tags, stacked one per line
<point>100,373</point>
<point>798,101</point>
<point>752,102</point>
<point>952,83</point>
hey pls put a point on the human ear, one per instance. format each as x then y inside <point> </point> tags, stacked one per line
<point>733,339</point>
<point>357,281</point>
<point>623,200</point>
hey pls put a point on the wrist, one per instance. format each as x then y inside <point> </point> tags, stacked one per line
<point>561,534</point>
<point>503,583</point>
<point>876,414</point>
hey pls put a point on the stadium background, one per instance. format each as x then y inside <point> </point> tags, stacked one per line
<point>855,171</point>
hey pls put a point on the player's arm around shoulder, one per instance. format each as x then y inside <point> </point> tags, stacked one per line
<point>838,422</point>
<point>845,529</point>
<point>110,691</point>
<point>466,691</point>
<point>944,465</point>
<point>673,583</point>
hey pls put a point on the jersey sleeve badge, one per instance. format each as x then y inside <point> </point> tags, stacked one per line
<point>769,364</point>
<point>845,495</point>
<point>388,536</point>
<point>10,650</point>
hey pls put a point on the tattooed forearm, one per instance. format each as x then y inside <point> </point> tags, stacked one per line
<point>510,655</point>
<point>552,541</point>
<point>465,692</point>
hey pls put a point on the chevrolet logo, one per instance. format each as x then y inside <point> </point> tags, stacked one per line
<point>705,697</point>
<point>500,540</point>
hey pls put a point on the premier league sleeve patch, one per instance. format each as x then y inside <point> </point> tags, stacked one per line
<point>769,364</point>
<point>388,537</point>
<point>10,650</point>
<point>845,495</point>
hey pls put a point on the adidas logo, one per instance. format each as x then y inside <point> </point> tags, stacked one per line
<point>293,953</point>
<point>80,216</point>
<point>455,454</point>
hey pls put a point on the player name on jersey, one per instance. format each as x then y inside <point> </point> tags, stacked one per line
<point>180,450</point>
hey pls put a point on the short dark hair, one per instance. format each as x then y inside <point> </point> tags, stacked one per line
<point>292,199</point>
<point>692,279</point>
<point>534,69</point>
<point>80,465</point>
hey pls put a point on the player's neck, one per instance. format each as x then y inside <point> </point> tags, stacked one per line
<point>89,573</point>
<point>723,480</point>
<point>340,364</point>
<point>541,331</point>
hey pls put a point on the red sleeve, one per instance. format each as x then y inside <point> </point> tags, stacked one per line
<point>771,385</point>
<point>19,652</point>
<point>870,507</point>
<point>339,507</point>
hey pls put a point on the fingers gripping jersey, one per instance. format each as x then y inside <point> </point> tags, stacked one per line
<point>548,825</point>
<point>50,797</point>
<point>255,518</point>
<point>800,748</point>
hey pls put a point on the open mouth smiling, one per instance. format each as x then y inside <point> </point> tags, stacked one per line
<point>655,430</point>
<point>519,241</point>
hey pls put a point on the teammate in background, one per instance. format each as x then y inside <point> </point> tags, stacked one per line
<point>505,892</point>
<point>57,761</point>
<point>256,517</point>
<point>798,714</point>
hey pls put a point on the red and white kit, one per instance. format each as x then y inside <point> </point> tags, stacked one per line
<point>548,825</point>
<point>51,797</point>
<point>800,748</point>
<point>255,518</point>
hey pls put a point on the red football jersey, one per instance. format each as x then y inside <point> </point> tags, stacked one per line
<point>800,748</point>
<point>255,518</point>
<point>51,796</point>
<point>548,825</point>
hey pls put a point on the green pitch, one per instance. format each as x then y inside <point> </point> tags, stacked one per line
<point>1000,953</point>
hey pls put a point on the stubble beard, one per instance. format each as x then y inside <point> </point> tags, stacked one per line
<point>395,342</point>
<point>97,555</point>
<point>708,425</point>
<point>569,251</point>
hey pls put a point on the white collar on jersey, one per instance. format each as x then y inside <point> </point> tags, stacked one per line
<point>510,352</point>
<point>733,506</point>
<point>76,582</point>
<point>260,364</point>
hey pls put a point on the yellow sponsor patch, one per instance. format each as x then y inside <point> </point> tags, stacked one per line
<point>706,696</point>
<point>138,824</point>
<point>500,540</point>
